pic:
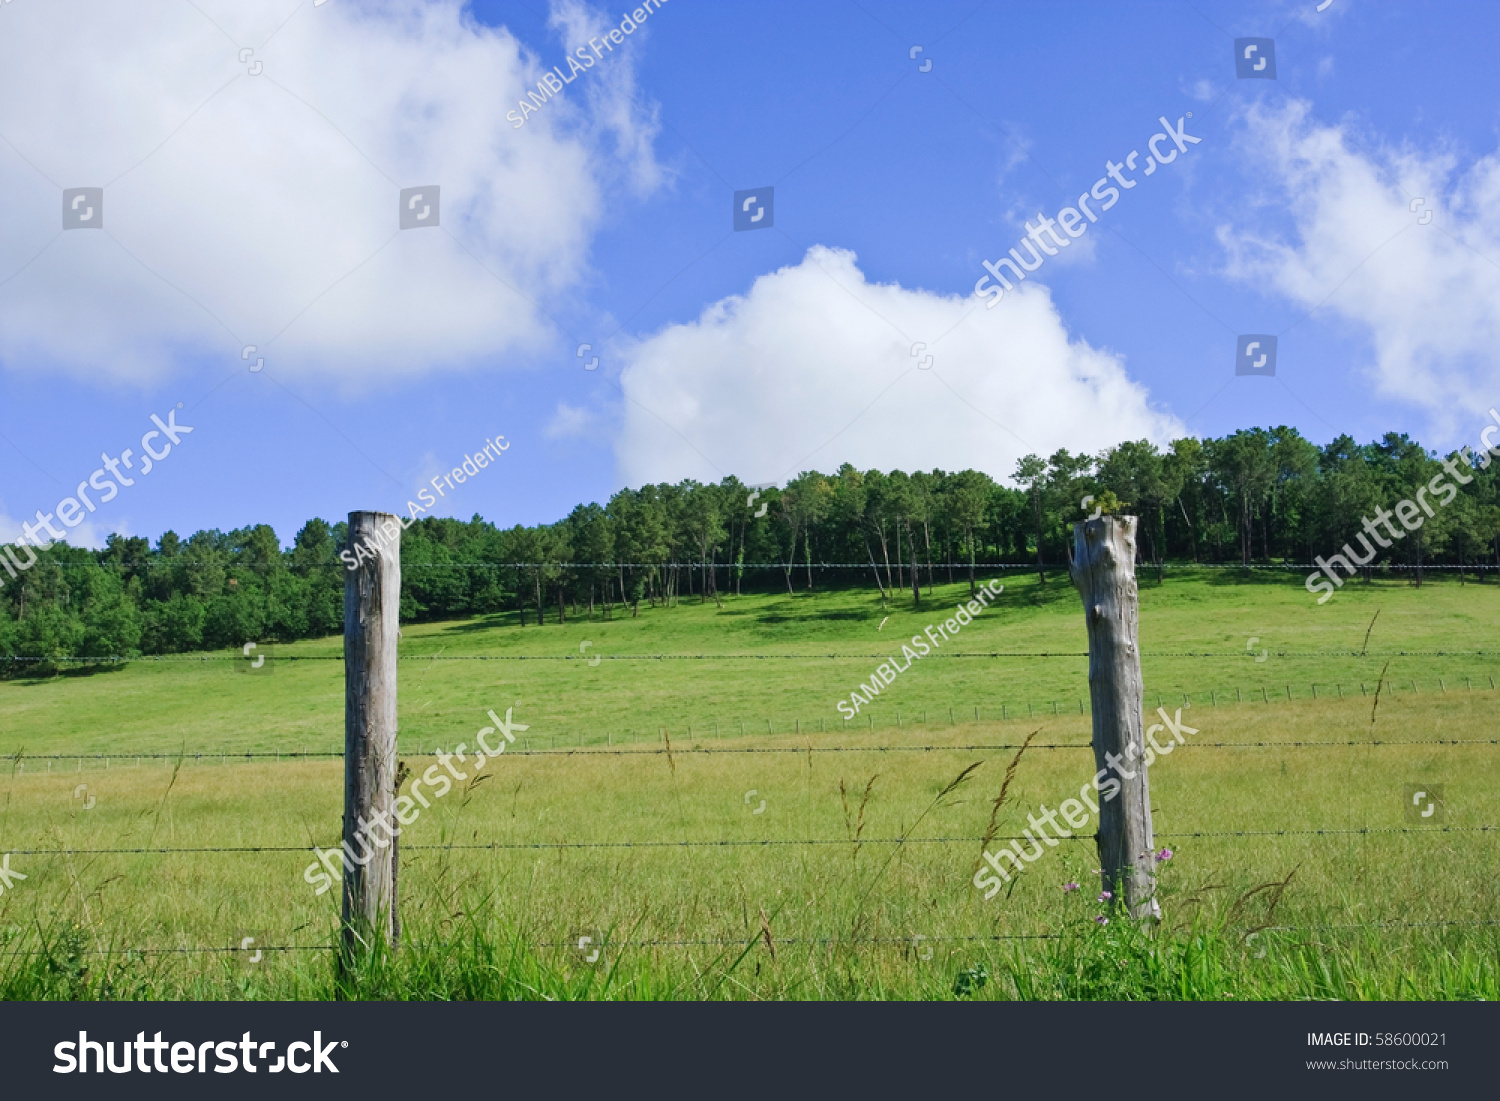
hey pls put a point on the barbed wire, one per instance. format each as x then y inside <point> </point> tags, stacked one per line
<point>230,566</point>
<point>1055,568</point>
<point>516,845</point>
<point>331,755</point>
<point>497,846</point>
<point>42,951</point>
<point>573,945</point>
<point>1025,567</point>
<point>1372,655</point>
<point>968,748</point>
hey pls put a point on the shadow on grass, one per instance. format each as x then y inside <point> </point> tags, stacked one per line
<point>487,622</point>
<point>773,618</point>
<point>48,674</point>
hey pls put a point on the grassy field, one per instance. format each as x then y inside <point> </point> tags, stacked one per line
<point>854,878</point>
<point>783,660</point>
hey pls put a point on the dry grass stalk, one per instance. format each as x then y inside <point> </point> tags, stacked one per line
<point>1378,686</point>
<point>1010,774</point>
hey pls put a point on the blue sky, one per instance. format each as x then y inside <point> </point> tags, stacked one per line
<point>258,208</point>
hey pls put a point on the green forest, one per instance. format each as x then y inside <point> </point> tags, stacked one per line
<point>1257,497</point>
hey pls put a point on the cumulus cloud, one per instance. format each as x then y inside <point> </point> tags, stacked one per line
<point>617,119</point>
<point>814,366</point>
<point>568,422</point>
<point>1428,294</point>
<point>260,207</point>
<point>89,533</point>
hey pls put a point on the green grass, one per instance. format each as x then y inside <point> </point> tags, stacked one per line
<point>1366,911</point>
<point>778,659</point>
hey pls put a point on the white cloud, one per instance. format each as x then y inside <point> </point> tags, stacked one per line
<point>1428,295</point>
<point>1016,154</point>
<point>258,197</point>
<point>1079,251</point>
<point>616,119</point>
<point>1204,91</point>
<point>569,421</point>
<point>89,533</point>
<point>814,367</point>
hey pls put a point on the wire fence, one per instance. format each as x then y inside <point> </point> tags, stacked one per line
<point>1169,836</point>
<point>594,659</point>
<point>959,569</point>
<point>605,742</point>
<point>660,745</point>
<point>754,842</point>
<point>20,759</point>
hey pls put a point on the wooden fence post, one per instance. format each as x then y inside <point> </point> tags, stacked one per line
<point>1104,572</point>
<point>372,601</point>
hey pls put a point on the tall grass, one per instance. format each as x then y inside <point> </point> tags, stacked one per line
<point>1123,961</point>
<point>1294,874</point>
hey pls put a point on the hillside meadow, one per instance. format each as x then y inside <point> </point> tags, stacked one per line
<point>805,857</point>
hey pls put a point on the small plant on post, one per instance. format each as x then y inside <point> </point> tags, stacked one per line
<point>1104,572</point>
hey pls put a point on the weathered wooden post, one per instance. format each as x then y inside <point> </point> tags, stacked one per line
<point>372,601</point>
<point>1104,572</point>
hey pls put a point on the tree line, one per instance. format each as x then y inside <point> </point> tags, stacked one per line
<point>1259,496</point>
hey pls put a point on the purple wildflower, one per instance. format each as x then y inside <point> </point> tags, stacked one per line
<point>1101,920</point>
<point>1070,886</point>
<point>1105,896</point>
<point>1163,856</point>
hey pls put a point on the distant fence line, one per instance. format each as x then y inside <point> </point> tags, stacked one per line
<point>802,567</point>
<point>1392,686</point>
<point>707,750</point>
<point>186,659</point>
<point>1024,567</point>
